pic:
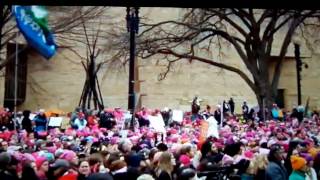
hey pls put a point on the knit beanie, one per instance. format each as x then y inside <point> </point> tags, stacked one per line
<point>40,160</point>
<point>185,160</point>
<point>68,155</point>
<point>297,162</point>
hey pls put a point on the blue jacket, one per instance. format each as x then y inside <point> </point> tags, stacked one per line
<point>41,123</point>
<point>275,171</point>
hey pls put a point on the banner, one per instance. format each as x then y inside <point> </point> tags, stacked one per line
<point>32,23</point>
<point>177,115</point>
<point>212,127</point>
<point>55,121</point>
<point>157,123</point>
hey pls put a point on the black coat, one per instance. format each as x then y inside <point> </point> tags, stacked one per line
<point>27,124</point>
<point>5,175</point>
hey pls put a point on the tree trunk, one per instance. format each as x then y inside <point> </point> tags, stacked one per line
<point>265,97</point>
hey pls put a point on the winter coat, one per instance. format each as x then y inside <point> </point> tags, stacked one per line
<point>41,123</point>
<point>297,175</point>
<point>275,171</point>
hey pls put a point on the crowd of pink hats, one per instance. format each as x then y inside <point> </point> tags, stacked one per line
<point>65,144</point>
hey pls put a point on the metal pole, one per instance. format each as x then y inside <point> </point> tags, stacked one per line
<point>132,26</point>
<point>298,68</point>
<point>131,102</point>
<point>16,81</point>
<point>221,117</point>
<point>263,109</point>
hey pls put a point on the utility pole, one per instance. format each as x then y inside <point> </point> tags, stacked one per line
<point>298,68</point>
<point>132,27</point>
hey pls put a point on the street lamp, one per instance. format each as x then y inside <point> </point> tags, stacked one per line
<point>298,69</point>
<point>132,27</point>
<point>297,42</point>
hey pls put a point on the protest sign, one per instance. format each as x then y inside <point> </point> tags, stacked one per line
<point>55,121</point>
<point>212,127</point>
<point>156,122</point>
<point>177,115</point>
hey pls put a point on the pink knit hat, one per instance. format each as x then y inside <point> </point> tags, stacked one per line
<point>249,154</point>
<point>185,160</point>
<point>40,160</point>
<point>68,155</point>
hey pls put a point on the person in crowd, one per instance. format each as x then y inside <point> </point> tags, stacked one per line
<point>92,121</point>
<point>275,169</point>
<point>251,115</point>
<point>207,113</point>
<point>292,147</point>
<point>299,167</point>
<point>8,165</point>
<point>40,121</point>
<point>106,119</point>
<point>80,123</point>
<point>28,172</point>
<point>165,167</point>
<point>26,121</point>
<point>166,115</point>
<point>217,114</point>
<point>232,105</point>
<point>226,107</point>
<point>6,121</point>
<point>42,168</point>
<point>195,108</point>
<point>74,116</point>
<point>245,110</point>
<point>275,112</point>
<point>300,114</point>
<point>84,170</point>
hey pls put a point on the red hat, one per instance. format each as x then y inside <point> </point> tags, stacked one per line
<point>40,160</point>
<point>249,154</point>
<point>185,160</point>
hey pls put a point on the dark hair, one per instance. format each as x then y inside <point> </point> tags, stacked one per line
<point>205,148</point>
<point>83,160</point>
<point>186,174</point>
<point>264,145</point>
<point>95,158</point>
<point>272,154</point>
<point>162,147</point>
<point>242,166</point>
<point>28,173</point>
<point>232,149</point>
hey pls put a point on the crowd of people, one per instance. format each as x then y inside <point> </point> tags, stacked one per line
<point>105,145</point>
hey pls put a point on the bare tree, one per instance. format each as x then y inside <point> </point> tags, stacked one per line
<point>64,22</point>
<point>251,32</point>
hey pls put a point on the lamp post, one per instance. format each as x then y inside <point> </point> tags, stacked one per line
<point>132,27</point>
<point>298,68</point>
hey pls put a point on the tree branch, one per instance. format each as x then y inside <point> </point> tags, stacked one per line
<point>208,61</point>
<point>296,22</point>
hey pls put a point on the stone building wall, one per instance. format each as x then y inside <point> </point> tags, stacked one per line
<point>58,83</point>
